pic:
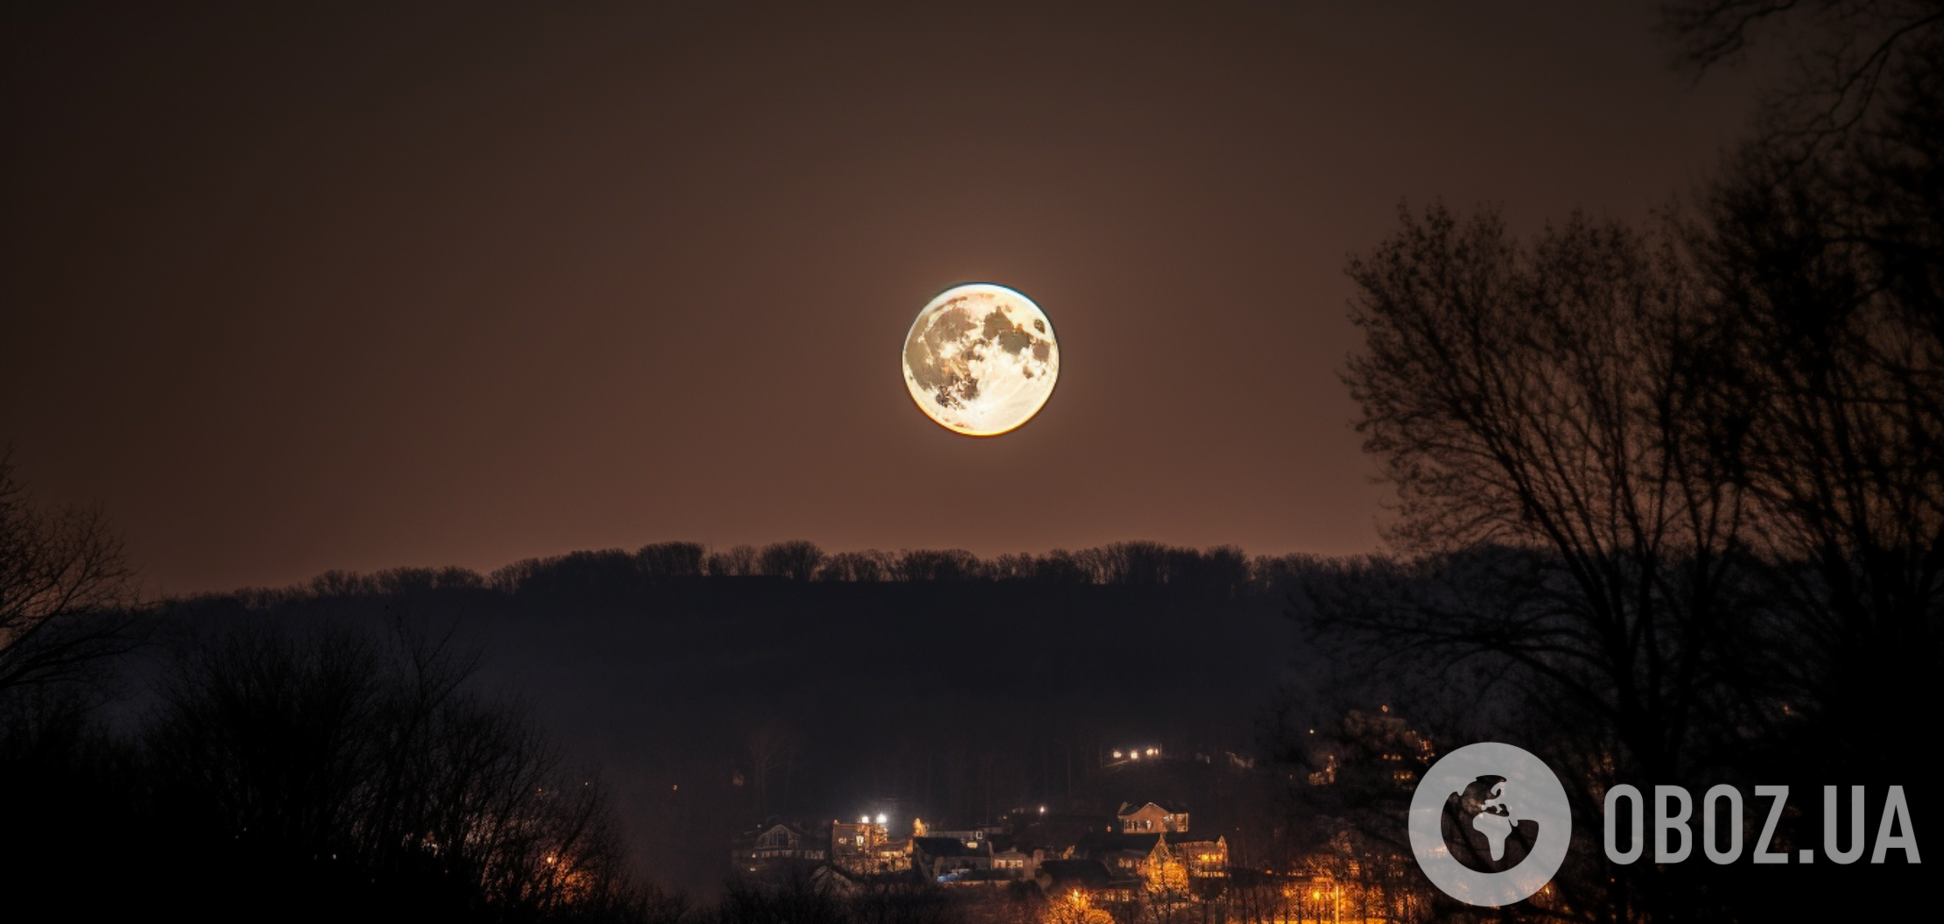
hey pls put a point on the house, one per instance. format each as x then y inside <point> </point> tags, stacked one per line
<point>1140,855</point>
<point>1015,864</point>
<point>865,848</point>
<point>857,838</point>
<point>1125,855</point>
<point>936,857</point>
<point>892,856</point>
<point>774,843</point>
<point>1204,859</point>
<point>1151,817</point>
<point>971,837</point>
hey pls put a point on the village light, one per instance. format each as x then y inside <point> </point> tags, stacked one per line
<point>880,818</point>
<point>1117,755</point>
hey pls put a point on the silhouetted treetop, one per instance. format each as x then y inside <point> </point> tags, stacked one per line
<point>1220,571</point>
<point>65,589</point>
<point>1842,54</point>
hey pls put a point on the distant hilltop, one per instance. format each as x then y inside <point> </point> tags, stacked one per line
<point>1222,571</point>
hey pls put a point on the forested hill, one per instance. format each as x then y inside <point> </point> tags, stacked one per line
<point>708,700</point>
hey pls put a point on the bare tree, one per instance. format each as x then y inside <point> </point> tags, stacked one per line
<point>1545,398</point>
<point>739,561</point>
<point>1827,270</point>
<point>671,559</point>
<point>866,566</point>
<point>1546,410</point>
<point>937,565</point>
<point>1842,55</point>
<point>796,559</point>
<point>65,589</point>
<point>371,772</point>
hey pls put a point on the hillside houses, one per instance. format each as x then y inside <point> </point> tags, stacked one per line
<point>1115,859</point>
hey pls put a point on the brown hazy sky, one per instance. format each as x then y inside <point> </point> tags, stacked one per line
<point>291,291</point>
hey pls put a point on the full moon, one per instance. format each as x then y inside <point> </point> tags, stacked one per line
<point>981,359</point>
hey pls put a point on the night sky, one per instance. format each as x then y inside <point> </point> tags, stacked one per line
<point>288,292</point>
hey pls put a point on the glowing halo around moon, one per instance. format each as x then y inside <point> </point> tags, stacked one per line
<point>981,359</point>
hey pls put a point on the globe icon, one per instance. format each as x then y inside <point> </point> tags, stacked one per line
<point>1490,824</point>
<point>1484,827</point>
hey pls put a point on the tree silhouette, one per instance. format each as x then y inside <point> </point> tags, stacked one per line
<point>1829,270</point>
<point>739,561</point>
<point>1842,55</point>
<point>1543,398</point>
<point>1556,418</point>
<point>65,591</point>
<point>866,566</point>
<point>366,775</point>
<point>796,560</point>
<point>1680,489</point>
<point>671,559</point>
